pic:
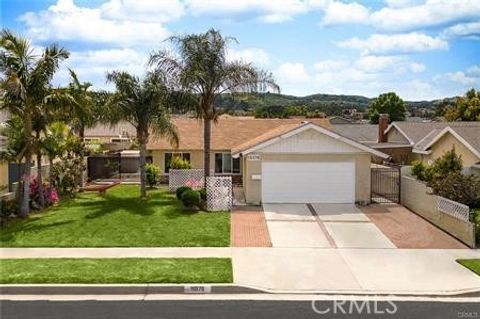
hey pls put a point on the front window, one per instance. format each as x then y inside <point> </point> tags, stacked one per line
<point>226,164</point>
<point>168,159</point>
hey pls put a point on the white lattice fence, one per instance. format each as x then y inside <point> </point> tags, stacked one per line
<point>219,193</point>
<point>193,178</point>
<point>452,208</point>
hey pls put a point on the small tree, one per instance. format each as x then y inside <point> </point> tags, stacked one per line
<point>389,103</point>
<point>153,174</point>
<point>465,108</point>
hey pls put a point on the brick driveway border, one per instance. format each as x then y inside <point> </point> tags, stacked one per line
<point>248,228</point>
<point>408,230</point>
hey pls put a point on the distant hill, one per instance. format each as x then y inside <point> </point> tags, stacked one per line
<point>330,104</point>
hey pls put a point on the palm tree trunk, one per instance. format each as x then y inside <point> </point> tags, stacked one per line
<point>143,173</point>
<point>41,195</point>
<point>207,131</point>
<point>25,204</point>
<point>82,159</point>
<point>50,171</point>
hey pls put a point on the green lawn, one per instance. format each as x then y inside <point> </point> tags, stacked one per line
<point>129,270</point>
<point>472,264</point>
<point>120,219</point>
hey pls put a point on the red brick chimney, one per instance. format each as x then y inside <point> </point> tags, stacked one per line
<point>383,120</point>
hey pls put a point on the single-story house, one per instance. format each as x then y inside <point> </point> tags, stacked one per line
<point>431,140</point>
<point>424,141</point>
<point>276,160</point>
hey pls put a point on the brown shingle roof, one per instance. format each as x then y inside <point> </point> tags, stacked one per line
<point>227,133</point>
<point>417,131</point>
<point>278,131</point>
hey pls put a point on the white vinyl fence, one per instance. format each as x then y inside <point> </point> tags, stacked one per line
<point>219,193</point>
<point>454,209</point>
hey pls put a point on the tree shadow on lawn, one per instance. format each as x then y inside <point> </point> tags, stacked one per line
<point>113,203</point>
<point>27,226</point>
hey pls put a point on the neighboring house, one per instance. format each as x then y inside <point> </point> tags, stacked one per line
<point>424,141</point>
<point>368,134</point>
<point>339,120</point>
<point>431,140</point>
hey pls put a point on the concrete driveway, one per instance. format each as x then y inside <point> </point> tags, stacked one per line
<point>322,226</point>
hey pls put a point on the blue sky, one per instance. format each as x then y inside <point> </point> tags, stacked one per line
<point>422,49</point>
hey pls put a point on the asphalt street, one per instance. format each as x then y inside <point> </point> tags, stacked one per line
<point>233,309</point>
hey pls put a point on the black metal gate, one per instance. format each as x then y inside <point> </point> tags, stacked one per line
<point>385,184</point>
<point>114,166</point>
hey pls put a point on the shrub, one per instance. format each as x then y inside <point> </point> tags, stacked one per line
<point>180,191</point>
<point>448,163</point>
<point>191,199</point>
<point>178,163</point>
<point>8,207</point>
<point>153,174</point>
<point>203,193</point>
<point>418,170</point>
<point>461,188</point>
<point>50,194</point>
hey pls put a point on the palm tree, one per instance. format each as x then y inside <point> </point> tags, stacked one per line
<point>25,89</point>
<point>54,143</point>
<point>83,111</point>
<point>142,103</point>
<point>199,67</point>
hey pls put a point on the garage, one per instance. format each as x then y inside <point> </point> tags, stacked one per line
<point>308,182</point>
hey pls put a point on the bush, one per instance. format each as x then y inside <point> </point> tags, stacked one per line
<point>8,207</point>
<point>203,193</point>
<point>418,170</point>
<point>178,163</point>
<point>191,199</point>
<point>448,163</point>
<point>50,194</point>
<point>153,174</point>
<point>461,188</point>
<point>180,191</point>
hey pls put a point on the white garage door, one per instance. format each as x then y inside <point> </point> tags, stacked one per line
<point>308,182</point>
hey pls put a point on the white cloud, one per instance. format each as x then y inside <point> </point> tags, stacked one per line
<point>468,30</point>
<point>267,10</point>
<point>367,75</point>
<point>469,77</point>
<point>396,43</point>
<point>402,3</point>
<point>337,13</point>
<point>93,65</point>
<point>405,16</point>
<point>390,64</point>
<point>115,22</point>
<point>292,73</point>
<point>250,55</point>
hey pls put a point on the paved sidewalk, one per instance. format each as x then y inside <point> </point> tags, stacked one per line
<point>130,252</point>
<point>248,228</point>
<point>373,271</point>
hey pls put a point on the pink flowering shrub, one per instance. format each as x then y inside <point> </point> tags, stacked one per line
<point>194,184</point>
<point>50,194</point>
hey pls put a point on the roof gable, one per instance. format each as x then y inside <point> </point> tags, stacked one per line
<point>305,138</point>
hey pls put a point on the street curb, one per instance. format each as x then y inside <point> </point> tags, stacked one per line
<point>192,289</point>
<point>134,289</point>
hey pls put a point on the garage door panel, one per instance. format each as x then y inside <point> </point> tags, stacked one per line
<point>303,182</point>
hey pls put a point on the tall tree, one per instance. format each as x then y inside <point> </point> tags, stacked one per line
<point>465,108</point>
<point>199,67</point>
<point>144,104</point>
<point>83,112</point>
<point>389,103</point>
<point>26,89</point>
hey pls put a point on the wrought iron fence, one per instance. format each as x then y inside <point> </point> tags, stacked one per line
<point>385,184</point>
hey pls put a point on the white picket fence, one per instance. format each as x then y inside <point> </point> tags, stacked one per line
<point>219,193</point>
<point>454,209</point>
<point>219,188</point>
